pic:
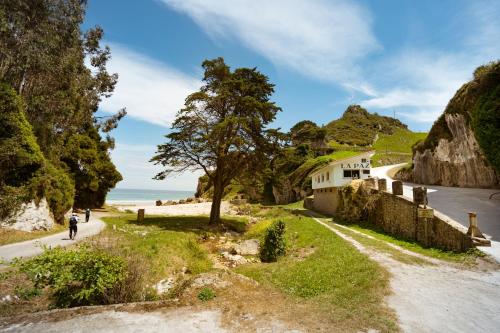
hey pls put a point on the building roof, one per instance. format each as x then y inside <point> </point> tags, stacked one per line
<point>342,158</point>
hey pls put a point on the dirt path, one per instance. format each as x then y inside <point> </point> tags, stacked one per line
<point>34,247</point>
<point>438,298</point>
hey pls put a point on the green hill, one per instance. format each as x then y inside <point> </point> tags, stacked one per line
<point>358,129</point>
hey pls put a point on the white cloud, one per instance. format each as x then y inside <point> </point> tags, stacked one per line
<point>317,38</point>
<point>426,79</point>
<point>133,163</point>
<point>150,90</point>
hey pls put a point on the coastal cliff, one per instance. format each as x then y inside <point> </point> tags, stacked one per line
<point>461,148</point>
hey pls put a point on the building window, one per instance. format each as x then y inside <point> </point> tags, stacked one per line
<point>328,176</point>
<point>366,172</point>
<point>363,160</point>
<point>354,174</point>
<point>322,178</point>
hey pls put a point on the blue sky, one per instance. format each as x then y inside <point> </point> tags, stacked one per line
<point>407,57</point>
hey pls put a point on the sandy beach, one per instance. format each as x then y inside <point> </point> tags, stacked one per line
<point>202,208</point>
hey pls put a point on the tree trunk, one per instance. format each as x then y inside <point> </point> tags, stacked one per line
<point>216,201</point>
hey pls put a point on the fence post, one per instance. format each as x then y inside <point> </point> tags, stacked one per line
<point>140,215</point>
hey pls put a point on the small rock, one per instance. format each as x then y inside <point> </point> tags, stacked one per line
<point>158,202</point>
<point>248,247</point>
<point>164,285</point>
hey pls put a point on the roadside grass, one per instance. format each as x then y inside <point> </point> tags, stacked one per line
<point>467,258</point>
<point>9,236</point>
<point>382,246</point>
<point>332,276</point>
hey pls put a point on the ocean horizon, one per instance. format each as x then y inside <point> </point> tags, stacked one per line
<point>123,195</point>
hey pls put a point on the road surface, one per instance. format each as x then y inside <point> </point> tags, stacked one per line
<point>456,202</point>
<point>34,247</point>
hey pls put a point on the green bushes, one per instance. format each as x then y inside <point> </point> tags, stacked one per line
<point>274,244</point>
<point>81,276</point>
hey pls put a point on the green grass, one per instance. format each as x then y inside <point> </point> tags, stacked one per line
<point>9,236</point>
<point>467,258</point>
<point>399,142</point>
<point>335,277</point>
<point>395,148</point>
<point>167,243</point>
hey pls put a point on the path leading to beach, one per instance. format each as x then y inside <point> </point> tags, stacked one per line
<point>34,247</point>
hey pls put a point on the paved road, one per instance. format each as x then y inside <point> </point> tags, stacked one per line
<point>456,202</point>
<point>33,247</point>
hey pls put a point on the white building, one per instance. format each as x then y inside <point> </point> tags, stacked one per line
<point>341,172</point>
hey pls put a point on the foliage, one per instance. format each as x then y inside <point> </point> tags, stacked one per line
<point>359,127</point>
<point>79,276</point>
<point>307,132</point>
<point>206,294</point>
<point>221,128</point>
<point>486,116</point>
<point>43,55</point>
<point>273,245</point>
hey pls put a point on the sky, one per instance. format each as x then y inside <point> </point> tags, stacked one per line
<point>399,57</point>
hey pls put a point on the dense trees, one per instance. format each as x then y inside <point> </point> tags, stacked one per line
<point>43,56</point>
<point>221,129</point>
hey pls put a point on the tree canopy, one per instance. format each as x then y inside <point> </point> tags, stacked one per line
<point>221,129</point>
<point>58,73</point>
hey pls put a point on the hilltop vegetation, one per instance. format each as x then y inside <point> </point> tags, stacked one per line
<point>358,127</point>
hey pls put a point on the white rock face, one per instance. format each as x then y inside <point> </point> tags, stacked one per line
<point>458,162</point>
<point>30,217</point>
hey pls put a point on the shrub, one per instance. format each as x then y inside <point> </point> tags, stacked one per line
<point>274,244</point>
<point>206,294</point>
<point>81,276</point>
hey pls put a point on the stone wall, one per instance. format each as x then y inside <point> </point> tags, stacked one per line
<point>326,200</point>
<point>395,214</point>
<point>30,217</point>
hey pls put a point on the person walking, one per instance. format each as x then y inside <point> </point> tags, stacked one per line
<point>87,215</point>
<point>73,221</point>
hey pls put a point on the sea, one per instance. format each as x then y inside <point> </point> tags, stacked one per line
<point>131,196</point>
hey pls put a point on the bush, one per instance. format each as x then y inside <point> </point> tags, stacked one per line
<point>274,244</point>
<point>81,276</point>
<point>206,294</point>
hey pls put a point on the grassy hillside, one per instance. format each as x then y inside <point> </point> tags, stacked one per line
<point>358,127</point>
<point>395,148</point>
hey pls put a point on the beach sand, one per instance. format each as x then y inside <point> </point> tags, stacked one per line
<point>202,208</point>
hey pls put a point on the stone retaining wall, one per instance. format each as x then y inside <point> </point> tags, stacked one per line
<point>395,214</point>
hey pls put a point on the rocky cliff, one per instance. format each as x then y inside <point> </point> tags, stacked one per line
<point>458,150</point>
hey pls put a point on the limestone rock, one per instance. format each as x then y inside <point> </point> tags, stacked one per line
<point>247,247</point>
<point>164,285</point>
<point>455,162</point>
<point>30,217</point>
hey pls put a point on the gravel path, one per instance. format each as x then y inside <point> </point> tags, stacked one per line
<point>438,298</point>
<point>34,247</point>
